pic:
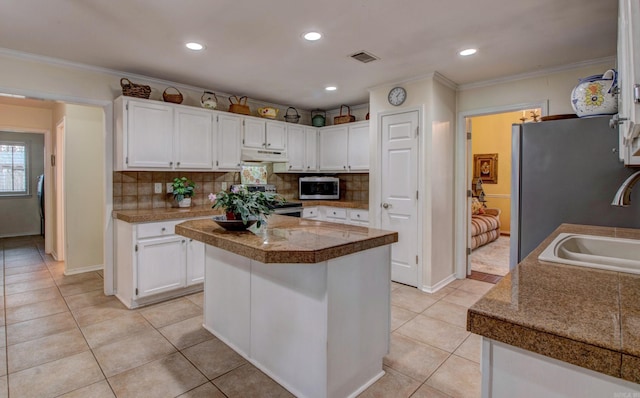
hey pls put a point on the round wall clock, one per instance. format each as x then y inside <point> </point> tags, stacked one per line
<point>397,95</point>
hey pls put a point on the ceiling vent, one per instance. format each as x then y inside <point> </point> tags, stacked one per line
<point>364,57</point>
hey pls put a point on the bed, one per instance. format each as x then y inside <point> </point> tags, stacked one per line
<point>485,226</point>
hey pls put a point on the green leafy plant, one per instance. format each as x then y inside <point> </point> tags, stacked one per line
<point>183,188</point>
<point>245,205</point>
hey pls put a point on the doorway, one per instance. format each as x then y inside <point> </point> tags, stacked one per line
<point>57,164</point>
<point>484,156</point>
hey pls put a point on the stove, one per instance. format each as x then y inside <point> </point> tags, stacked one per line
<point>293,209</point>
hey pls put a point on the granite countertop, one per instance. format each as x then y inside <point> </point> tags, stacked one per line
<point>289,239</point>
<point>176,213</point>
<point>583,316</point>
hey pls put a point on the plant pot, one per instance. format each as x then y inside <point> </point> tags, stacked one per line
<point>233,216</point>
<point>186,202</point>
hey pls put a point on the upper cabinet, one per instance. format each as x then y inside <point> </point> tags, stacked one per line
<point>263,134</point>
<point>345,147</point>
<point>629,80</point>
<point>228,142</point>
<point>193,139</point>
<point>302,143</point>
<point>151,135</point>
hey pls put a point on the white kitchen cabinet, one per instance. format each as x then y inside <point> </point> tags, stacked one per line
<point>358,147</point>
<point>358,217</point>
<point>160,265</point>
<point>144,134</point>
<point>263,134</point>
<point>333,148</point>
<point>151,135</point>
<point>193,139</point>
<point>228,141</point>
<point>195,262</point>
<point>344,147</point>
<point>340,215</point>
<point>153,264</point>
<point>310,212</point>
<point>302,150</point>
<point>629,80</point>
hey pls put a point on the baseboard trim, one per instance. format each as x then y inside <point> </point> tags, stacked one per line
<point>82,270</point>
<point>439,285</point>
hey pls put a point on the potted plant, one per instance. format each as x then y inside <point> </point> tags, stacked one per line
<point>183,190</point>
<point>241,204</point>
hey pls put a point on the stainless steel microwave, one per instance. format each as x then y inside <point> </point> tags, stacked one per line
<point>319,188</point>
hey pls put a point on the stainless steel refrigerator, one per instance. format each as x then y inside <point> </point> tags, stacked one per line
<point>565,171</point>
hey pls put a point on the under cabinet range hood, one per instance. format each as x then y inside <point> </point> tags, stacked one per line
<point>263,155</point>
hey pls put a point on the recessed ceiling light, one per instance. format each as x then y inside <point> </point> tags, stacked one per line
<point>312,36</point>
<point>331,88</point>
<point>468,51</point>
<point>194,46</point>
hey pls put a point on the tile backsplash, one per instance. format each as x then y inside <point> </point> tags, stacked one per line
<point>134,189</point>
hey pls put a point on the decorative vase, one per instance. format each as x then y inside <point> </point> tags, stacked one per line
<point>596,95</point>
<point>186,202</point>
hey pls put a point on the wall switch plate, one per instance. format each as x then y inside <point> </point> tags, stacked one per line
<point>169,187</point>
<point>157,187</point>
<point>223,185</point>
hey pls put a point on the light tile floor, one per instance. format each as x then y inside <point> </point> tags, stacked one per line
<point>60,336</point>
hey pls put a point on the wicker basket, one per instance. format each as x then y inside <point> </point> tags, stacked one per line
<point>348,118</point>
<point>134,90</point>
<point>175,98</point>
<point>239,106</point>
<point>290,117</point>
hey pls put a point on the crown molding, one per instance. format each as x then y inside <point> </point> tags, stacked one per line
<point>538,73</point>
<point>119,74</point>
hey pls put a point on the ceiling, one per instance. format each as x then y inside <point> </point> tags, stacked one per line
<point>256,48</point>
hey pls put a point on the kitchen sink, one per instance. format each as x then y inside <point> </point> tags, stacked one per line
<point>613,254</point>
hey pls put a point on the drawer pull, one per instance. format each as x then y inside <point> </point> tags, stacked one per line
<point>163,229</point>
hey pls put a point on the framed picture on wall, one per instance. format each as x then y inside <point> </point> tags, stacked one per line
<point>485,167</point>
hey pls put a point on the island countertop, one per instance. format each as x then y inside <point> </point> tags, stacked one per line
<point>177,213</point>
<point>289,239</point>
<point>583,316</point>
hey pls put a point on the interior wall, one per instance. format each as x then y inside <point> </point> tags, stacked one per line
<point>84,201</point>
<point>492,134</point>
<point>436,216</point>
<point>21,214</point>
<point>553,88</point>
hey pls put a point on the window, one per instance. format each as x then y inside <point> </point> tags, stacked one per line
<point>13,168</point>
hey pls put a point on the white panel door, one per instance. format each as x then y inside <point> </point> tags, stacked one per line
<point>195,262</point>
<point>399,192</point>
<point>193,139</point>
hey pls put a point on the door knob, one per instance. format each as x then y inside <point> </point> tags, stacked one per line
<point>386,205</point>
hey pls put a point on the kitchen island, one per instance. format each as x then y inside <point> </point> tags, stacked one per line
<point>557,330</point>
<point>307,302</point>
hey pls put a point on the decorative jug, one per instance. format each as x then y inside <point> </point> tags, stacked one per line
<point>596,95</point>
<point>268,112</point>
<point>209,100</point>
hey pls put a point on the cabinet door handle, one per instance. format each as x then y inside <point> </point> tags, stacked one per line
<point>344,167</point>
<point>290,166</point>
<point>170,163</point>
<point>163,229</point>
<point>178,164</point>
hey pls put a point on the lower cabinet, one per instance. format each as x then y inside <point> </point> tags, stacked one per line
<point>153,264</point>
<point>339,215</point>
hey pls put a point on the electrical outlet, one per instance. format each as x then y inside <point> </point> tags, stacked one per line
<point>169,187</point>
<point>223,185</point>
<point>157,187</point>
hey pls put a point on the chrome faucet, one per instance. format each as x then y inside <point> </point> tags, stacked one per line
<point>623,196</point>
